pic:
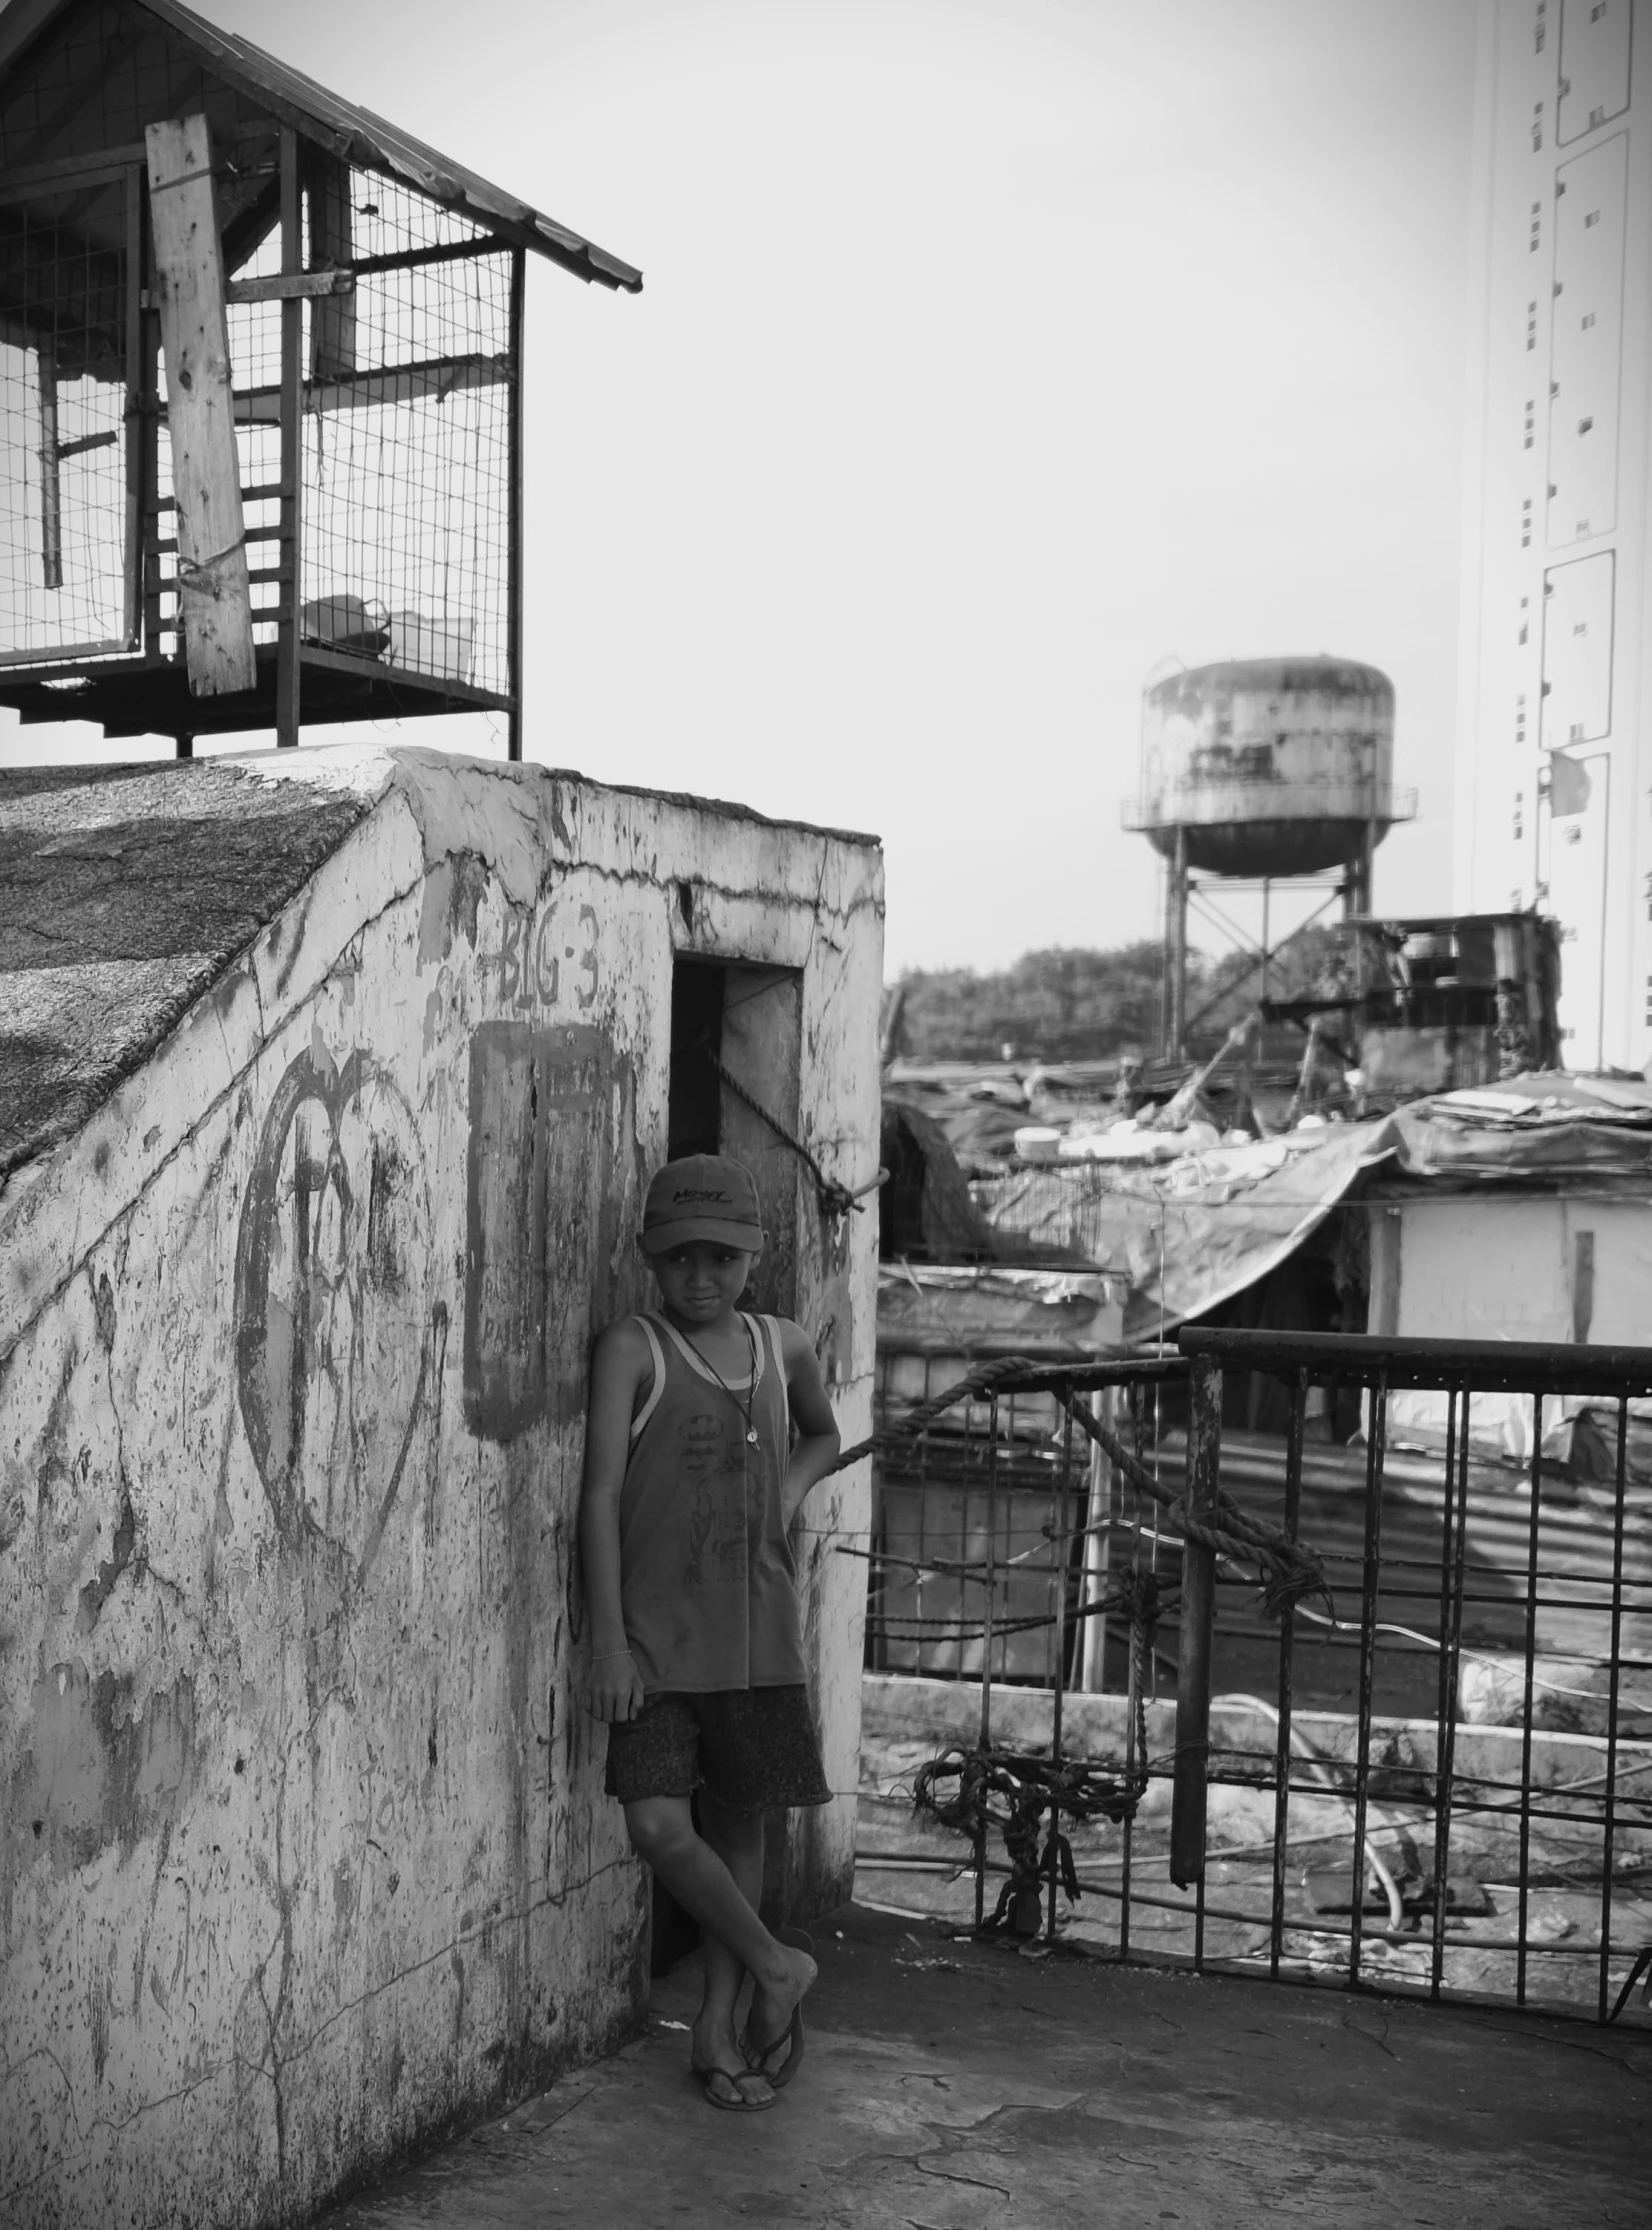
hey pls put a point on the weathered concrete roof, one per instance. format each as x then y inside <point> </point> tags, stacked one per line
<point>1077,2090</point>
<point>124,890</point>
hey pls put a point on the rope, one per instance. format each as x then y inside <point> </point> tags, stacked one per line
<point>201,573</point>
<point>835,1199</point>
<point>1287,1569</point>
<point>1028,1787</point>
<point>979,1383</point>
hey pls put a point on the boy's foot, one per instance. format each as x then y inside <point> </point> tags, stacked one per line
<point>748,2092</point>
<point>773,2042</point>
<point>723,2074</point>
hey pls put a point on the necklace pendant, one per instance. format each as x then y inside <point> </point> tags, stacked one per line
<point>751,1436</point>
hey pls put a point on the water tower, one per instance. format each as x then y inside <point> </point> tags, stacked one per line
<point>1264,770</point>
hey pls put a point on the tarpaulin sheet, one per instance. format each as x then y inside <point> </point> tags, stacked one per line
<point>1198,1231</point>
<point>1546,1127</point>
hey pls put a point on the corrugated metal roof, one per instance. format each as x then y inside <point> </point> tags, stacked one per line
<point>348,130</point>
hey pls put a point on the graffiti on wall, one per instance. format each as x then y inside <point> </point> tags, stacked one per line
<point>550,962</point>
<point>540,1215</point>
<point>335,1335</point>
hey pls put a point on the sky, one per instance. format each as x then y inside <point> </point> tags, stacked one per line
<point>991,353</point>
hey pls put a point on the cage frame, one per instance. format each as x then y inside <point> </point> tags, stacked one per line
<point>128,683</point>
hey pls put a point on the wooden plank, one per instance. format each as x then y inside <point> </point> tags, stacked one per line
<point>332,243</point>
<point>394,383</point>
<point>70,170</point>
<point>51,501</point>
<point>287,286</point>
<point>189,284</point>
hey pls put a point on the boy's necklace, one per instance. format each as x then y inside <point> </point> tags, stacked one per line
<point>744,1407</point>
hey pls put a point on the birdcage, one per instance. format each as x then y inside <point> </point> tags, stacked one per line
<point>260,391</point>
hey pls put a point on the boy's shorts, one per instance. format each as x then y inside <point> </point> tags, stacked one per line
<point>750,1748</point>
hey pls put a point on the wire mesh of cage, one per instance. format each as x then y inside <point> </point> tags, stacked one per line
<point>66,521</point>
<point>406,469</point>
<point>406,437</point>
<point>406,432</point>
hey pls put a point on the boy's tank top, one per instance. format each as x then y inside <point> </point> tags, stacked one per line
<point>707,1582</point>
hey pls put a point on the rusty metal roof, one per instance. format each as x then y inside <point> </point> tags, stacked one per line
<point>351,132</point>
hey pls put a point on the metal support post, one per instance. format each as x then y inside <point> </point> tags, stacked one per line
<point>1175,950</point>
<point>287,664</point>
<point>513,563</point>
<point>1204,1457</point>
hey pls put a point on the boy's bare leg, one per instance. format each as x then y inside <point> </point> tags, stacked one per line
<point>662,1832</point>
<point>738,1841</point>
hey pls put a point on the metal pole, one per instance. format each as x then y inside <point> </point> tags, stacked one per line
<point>1452,1546</point>
<point>986,1655</point>
<point>1098,1549</point>
<point>1287,1643</point>
<point>1534,1522</point>
<point>1175,950</point>
<point>1204,1457</point>
<point>1062,1512</point>
<point>287,667</point>
<point>513,585</point>
<point>1369,1594</point>
<point>1610,1821</point>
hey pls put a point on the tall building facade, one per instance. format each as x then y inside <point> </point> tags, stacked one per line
<point>1554,765</point>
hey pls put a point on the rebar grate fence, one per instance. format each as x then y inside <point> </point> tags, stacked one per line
<point>1425,1764</point>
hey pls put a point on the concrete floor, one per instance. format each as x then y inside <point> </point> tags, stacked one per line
<point>950,2085</point>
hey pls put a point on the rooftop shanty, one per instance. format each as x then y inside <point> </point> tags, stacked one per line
<point>261,390</point>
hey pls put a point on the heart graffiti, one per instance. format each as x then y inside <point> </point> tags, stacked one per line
<point>334,1333</point>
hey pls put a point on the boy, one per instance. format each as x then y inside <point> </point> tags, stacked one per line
<point>692,1480</point>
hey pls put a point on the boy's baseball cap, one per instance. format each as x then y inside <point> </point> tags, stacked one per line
<point>702,1196</point>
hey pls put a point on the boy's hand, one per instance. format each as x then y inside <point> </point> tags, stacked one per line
<point>615,1690</point>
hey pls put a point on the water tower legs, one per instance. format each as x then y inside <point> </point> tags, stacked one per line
<point>1175,950</point>
<point>1356,890</point>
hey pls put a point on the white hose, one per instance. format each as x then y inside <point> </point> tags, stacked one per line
<point>1305,1749</point>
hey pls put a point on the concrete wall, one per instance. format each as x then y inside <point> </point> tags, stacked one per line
<point>305,1854</point>
<point>1471,1266</point>
<point>1554,731</point>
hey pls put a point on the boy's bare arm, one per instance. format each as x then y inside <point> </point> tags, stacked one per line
<point>618,1366</point>
<point>818,1437</point>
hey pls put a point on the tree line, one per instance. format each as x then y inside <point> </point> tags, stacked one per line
<point>1072,1004</point>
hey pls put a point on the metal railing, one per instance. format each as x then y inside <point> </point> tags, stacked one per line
<point>1427,1767</point>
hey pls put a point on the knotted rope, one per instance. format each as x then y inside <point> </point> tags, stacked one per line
<point>1025,1789</point>
<point>1286,1570</point>
<point>835,1199</point>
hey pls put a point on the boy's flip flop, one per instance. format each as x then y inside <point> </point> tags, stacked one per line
<point>740,2103</point>
<point>757,2051</point>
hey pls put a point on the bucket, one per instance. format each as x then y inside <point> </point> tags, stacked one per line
<point>443,647</point>
<point>345,623</point>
